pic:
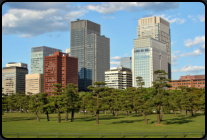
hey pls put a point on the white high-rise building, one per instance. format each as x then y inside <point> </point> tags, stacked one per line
<point>159,29</point>
<point>148,55</point>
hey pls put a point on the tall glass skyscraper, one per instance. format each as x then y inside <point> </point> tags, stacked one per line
<point>159,29</point>
<point>126,62</point>
<point>37,58</point>
<point>148,55</point>
<point>92,51</point>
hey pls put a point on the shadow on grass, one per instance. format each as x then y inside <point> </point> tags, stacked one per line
<point>18,119</point>
<point>176,121</point>
<point>129,121</point>
<point>100,118</point>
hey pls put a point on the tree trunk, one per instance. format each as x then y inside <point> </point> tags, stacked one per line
<point>59,117</point>
<point>105,111</point>
<point>161,113</point>
<point>146,121</point>
<point>175,114</point>
<point>185,112</point>
<point>116,113</point>
<point>66,116</point>
<point>47,116</point>
<point>20,110</point>
<point>126,113</point>
<point>92,114</point>
<point>135,112</point>
<point>113,113</point>
<point>72,115</point>
<point>191,112</point>
<point>158,115</point>
<point>129,113</point>
<point>10,110</point>
<point>84,111</point>
<point>38,119</point>
<point>97,114</point>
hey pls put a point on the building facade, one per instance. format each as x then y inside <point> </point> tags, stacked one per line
<point>34,83</point>
<point>59,68</point>
<point>119,78</point>
<point>159,29</point>
<point>126,62</point>
<point>13,78</point>
<point>37,58</point>
<point>67,51</point>
<point>197,81</point>
<point>148,55</point>
<point>13,64</point>
<point>92,51</point>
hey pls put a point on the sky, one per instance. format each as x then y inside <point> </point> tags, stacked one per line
<point>32,24</point>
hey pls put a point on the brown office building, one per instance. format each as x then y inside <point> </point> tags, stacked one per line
<point>59,68</point>
<point>197,81</point>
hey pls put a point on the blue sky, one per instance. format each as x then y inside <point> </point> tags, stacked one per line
<point>28,24</point>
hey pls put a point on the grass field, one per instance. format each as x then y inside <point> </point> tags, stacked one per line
<point>16,122</point>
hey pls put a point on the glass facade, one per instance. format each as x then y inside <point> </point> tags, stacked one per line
<point>142,65</point>
<point>37,58</point>
<point>126,62</point>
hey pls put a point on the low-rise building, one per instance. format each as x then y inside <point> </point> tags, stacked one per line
<point>34,83</point>
<point>119,78</point>
<point>197,81</point>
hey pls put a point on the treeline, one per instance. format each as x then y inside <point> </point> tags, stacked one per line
<point>143,100</point>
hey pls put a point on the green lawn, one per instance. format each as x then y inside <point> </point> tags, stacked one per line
<point>16,122</point>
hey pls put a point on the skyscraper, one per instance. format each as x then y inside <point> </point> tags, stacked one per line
<point>148,55</point>
<point>59,68</point>
<point>37,58</point>
<point>13,77</point>
<point>159,29</point>
<point>92,51</point>
<point>126,62</point>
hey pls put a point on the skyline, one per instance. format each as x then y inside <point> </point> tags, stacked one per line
<point>30,25</point>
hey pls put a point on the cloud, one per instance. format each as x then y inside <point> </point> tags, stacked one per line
<point>201,18</point>
<point>2,60</point>
<point>115,63</point>
<point>173,42</point>
<point>30,23</point>
<point>189,60</point>
<point>190,68</point>
<point>177,20</point>
<point>198,40</point>
<point>111,7</point>
<point>39,5</point>
<point>116,58</point>
<point>176,52</point>
<point>107,17</point>
<point>125,54</point>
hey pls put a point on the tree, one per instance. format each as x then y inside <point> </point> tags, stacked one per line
<point>139,82</point>
<point>71,99</point>
<point>159,84</point>
<point>56,101</point>
<point>20,100</point>
<point>185,101</point>
<point>45,106</point>
<point>11,102</point>
<point>115,101</point>
<point>96,90</point>
<point>174,100</point>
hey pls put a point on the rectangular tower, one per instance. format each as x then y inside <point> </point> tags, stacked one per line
<point>92,51</point>
<point>148,55</point>
<point>13,78</point>
<point>159,29</point>
<point>126,62</point>
<point>37,58</point>
<point>59,68</point>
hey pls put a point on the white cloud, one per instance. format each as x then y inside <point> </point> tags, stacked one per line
<point>173,42</point>
<point>115,63</point>
<point>198,40</point>
<point>194,53</point>
<point>111,7</point>
<point>116,58</point>
<point>125,54</point>
<point>176,52</point>
<point>201,18</point>
<point>190,68</point>
<point>189,60</point>
<point>177,20</point>
<point>30,23</point>
<point>2,60</point>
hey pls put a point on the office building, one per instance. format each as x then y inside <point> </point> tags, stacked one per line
<point>59,68</point>
<point>67,51</point>
<point>197,81</point>
<point>34,83</point>
<point>148,55</point>
<point>13,78</point>
<point>159,29</point>
<point>119,78</point>
<point>92,51</point>
<point>37,58</point>
<point>126,62</point>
